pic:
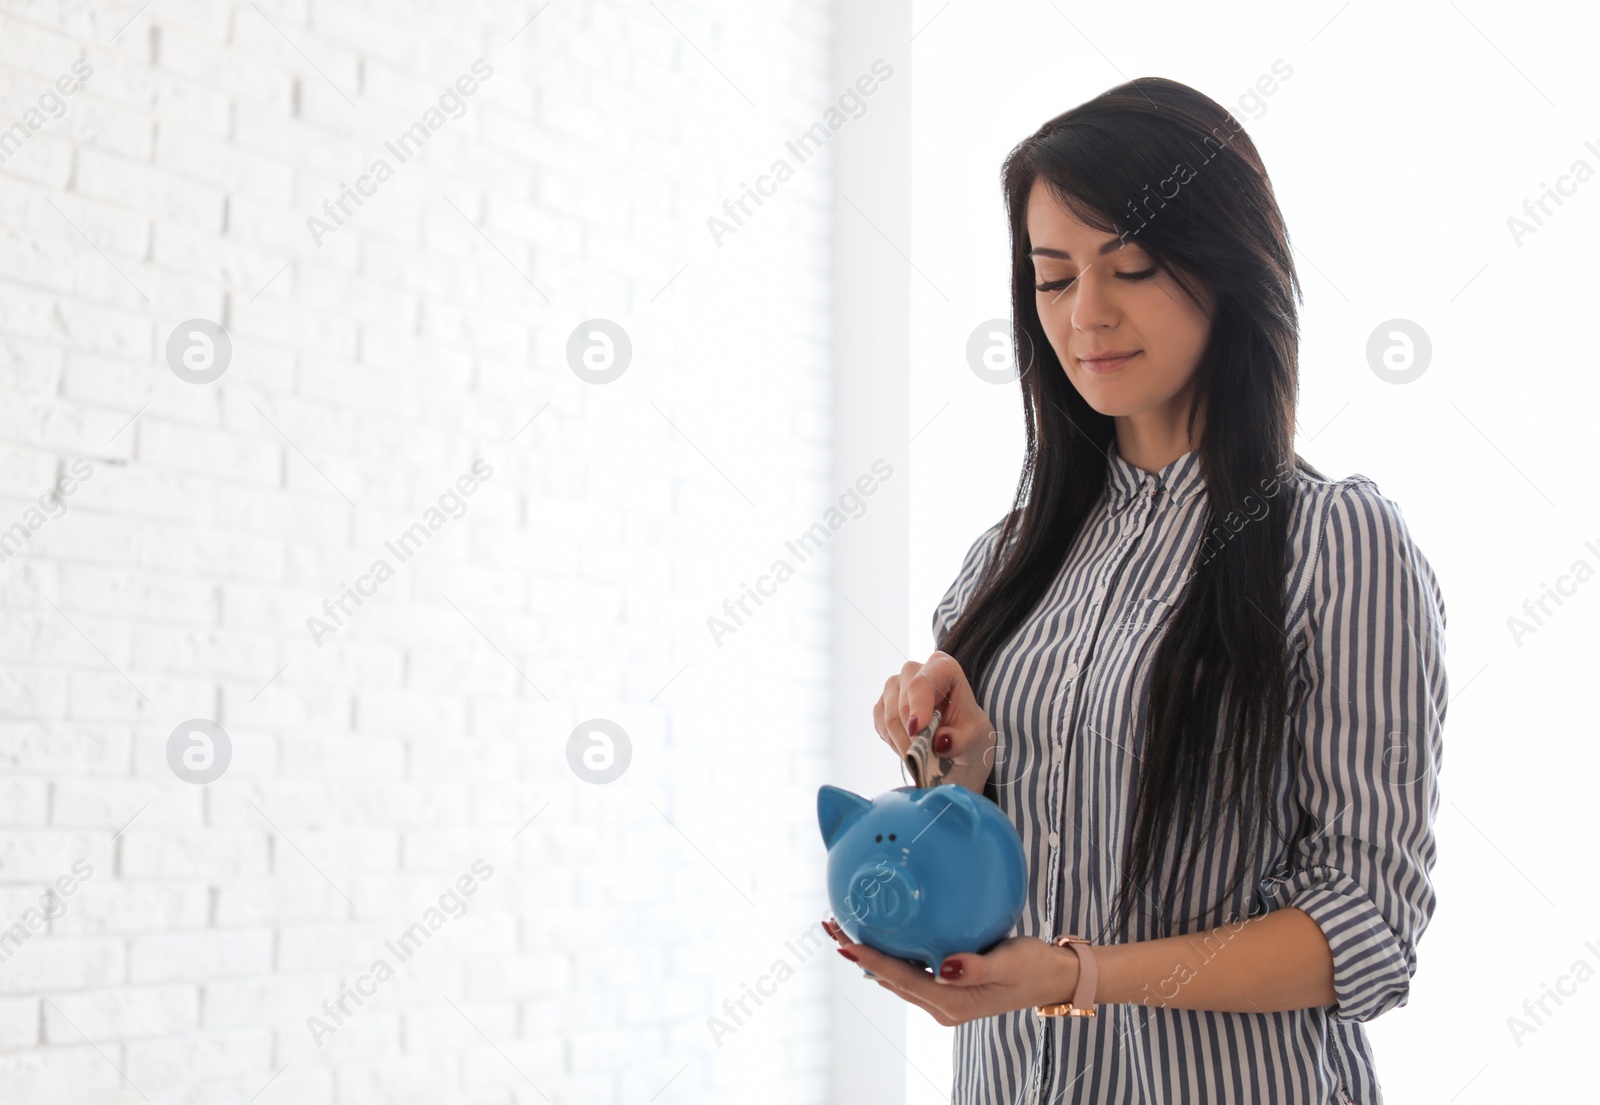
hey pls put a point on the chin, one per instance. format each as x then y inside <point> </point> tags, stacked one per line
<point>1117,410</point>
<point>1107,398</point>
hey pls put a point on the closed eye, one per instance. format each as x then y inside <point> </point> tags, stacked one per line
<point>1057,285</point>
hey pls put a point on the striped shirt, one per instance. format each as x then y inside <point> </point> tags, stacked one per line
<point>1355,787</point>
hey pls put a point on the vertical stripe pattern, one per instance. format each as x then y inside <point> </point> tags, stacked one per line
<point>1356,787</point>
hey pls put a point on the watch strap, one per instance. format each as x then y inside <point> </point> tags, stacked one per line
<point>1082,1003</point>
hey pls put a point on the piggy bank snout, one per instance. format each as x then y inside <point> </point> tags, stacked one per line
<point>884,895</point>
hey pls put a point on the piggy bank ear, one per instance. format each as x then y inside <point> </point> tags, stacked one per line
<point>952,803</point>
<point>835,806</point>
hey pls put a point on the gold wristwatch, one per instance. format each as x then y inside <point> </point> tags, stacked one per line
<point>1082,1003</point>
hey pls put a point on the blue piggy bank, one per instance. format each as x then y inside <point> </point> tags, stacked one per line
<point>920,873</point>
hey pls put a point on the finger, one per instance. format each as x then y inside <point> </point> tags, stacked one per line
<point>842,938</point>
<point>885,715</point>
<point>903,707</point>
<point>879,724</point>
<point>903,975</point>
<point>914,984</point>
<point>943,1016</point>
<point>898,739</point>
<point>920,694</point>
<point>964,969</point>
<point>911,983</point>
<point>942,684</point>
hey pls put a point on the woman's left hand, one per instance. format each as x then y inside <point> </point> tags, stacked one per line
<point>1017,973</point>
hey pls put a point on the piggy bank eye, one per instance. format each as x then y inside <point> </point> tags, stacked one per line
<point>877,838</point>
<point>891,836</point>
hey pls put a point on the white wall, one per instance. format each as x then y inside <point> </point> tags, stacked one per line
<point>370,370</point>
<point>871,585</point>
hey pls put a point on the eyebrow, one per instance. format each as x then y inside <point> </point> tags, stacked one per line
<point>1045,251</point>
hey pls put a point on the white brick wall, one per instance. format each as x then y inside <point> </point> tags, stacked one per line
<point>368,373</point>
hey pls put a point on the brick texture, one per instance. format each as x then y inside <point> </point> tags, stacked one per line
<point>165,546</point>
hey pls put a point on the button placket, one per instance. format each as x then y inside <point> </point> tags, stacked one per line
<point>1064,703</point>
<point>1134,521</point>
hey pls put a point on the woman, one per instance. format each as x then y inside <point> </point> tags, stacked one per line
<point>1204,681</point>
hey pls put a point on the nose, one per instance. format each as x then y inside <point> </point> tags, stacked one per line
<point>884,896</point>
<point>1092,308</point>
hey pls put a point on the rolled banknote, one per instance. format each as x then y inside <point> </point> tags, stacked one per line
<point>927,769</point>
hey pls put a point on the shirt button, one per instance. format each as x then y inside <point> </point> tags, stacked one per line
<point>1057,756</point>
<point>1072,669</point>
<point>1054,838</point>
<point>1099,592</point>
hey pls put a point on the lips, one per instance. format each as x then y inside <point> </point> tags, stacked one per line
<point>1108,362</point>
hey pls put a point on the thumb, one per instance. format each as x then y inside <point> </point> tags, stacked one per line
<point>963,969</point>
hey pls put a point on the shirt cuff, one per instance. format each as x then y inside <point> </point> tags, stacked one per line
<point>1372,969</point>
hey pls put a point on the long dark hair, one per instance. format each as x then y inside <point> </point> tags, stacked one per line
<point>1159,160</point>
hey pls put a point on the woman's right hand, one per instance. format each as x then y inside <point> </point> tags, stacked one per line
<point>965,740</point>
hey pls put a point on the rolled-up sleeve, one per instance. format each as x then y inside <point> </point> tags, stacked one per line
<point>1367,730</point>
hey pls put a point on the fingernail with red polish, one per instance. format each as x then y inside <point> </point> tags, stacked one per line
<point>911,727</point>
<point>941,744</point>
<point>846,953</point>
<point>951,969</point>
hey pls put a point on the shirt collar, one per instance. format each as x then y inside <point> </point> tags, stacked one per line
<point>1124,481</point>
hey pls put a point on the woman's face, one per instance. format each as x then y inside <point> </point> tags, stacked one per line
<point>1093,302</point>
